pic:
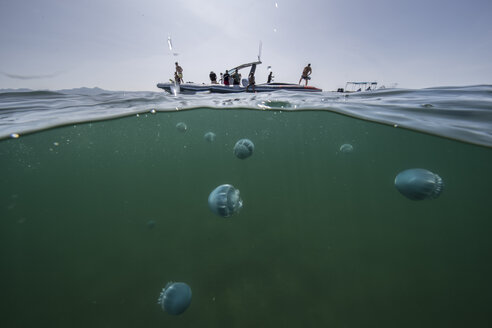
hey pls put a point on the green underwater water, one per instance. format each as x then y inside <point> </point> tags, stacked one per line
<point>324,238</point>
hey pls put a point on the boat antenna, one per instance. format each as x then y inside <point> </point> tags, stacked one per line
<point>259,52</point>
<point>170,45</point>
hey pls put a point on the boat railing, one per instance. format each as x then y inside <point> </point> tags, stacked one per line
<point>360,86</point>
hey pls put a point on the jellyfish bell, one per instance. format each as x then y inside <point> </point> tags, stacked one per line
<point>175,298</point>
<point>209,136</point>
<point>244,148</point>
<point>419,184</point>
<point>346,148</point>
<point>150,224</point>
<point>181,126</point>
<point>225,201</point>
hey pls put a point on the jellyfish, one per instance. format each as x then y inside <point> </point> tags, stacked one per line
<point>418,184</point>
<point>346,148</point>
<point>150,224</point>
<point>244,148</point>
<point>209,136</point>
<point>225,201</point>
<point>181,126</point>
<point>175,297</point>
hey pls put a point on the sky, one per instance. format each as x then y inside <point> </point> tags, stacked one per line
<point>122,44</point>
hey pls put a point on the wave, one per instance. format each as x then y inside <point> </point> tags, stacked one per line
<point>460,113</point>
<point>28,94</point>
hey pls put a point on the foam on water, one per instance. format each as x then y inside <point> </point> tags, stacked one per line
<point>460,113</point>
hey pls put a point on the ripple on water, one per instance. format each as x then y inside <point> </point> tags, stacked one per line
<point>461,113</point>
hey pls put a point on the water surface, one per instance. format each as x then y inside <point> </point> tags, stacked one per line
<point>97,217</point>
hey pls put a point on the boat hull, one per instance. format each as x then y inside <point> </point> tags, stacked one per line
<point>220,88</point>
<point>184,88</point>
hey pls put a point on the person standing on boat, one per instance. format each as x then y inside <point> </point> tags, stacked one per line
<point>221,80</point>
<point>251,80</point>
<point>270,77</point>
<point>226,78</point>
<point>237,78</point>
<point>305,74</point>
<point>213,77</point>
<point>179,73</point>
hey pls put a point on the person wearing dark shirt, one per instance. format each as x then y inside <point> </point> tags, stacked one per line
<point>213,77</point>
<point>270,77</point>
<point>237,78</point>
<point>226,78</point>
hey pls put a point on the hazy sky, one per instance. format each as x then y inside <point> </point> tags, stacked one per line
<point>122,44</point>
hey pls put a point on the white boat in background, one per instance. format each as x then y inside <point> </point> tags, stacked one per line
<point>359,86</point>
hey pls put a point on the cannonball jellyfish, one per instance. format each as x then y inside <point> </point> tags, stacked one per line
<point>151,224</point>
<point>181,126</point>
<point>244,148</point>
<point>418,184</point>
<point>209,136</point>
<point>225,200</point>
<point>175,298</point>
<point>346,148</point>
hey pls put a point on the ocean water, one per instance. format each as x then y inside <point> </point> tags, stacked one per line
<point>103,201</point>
